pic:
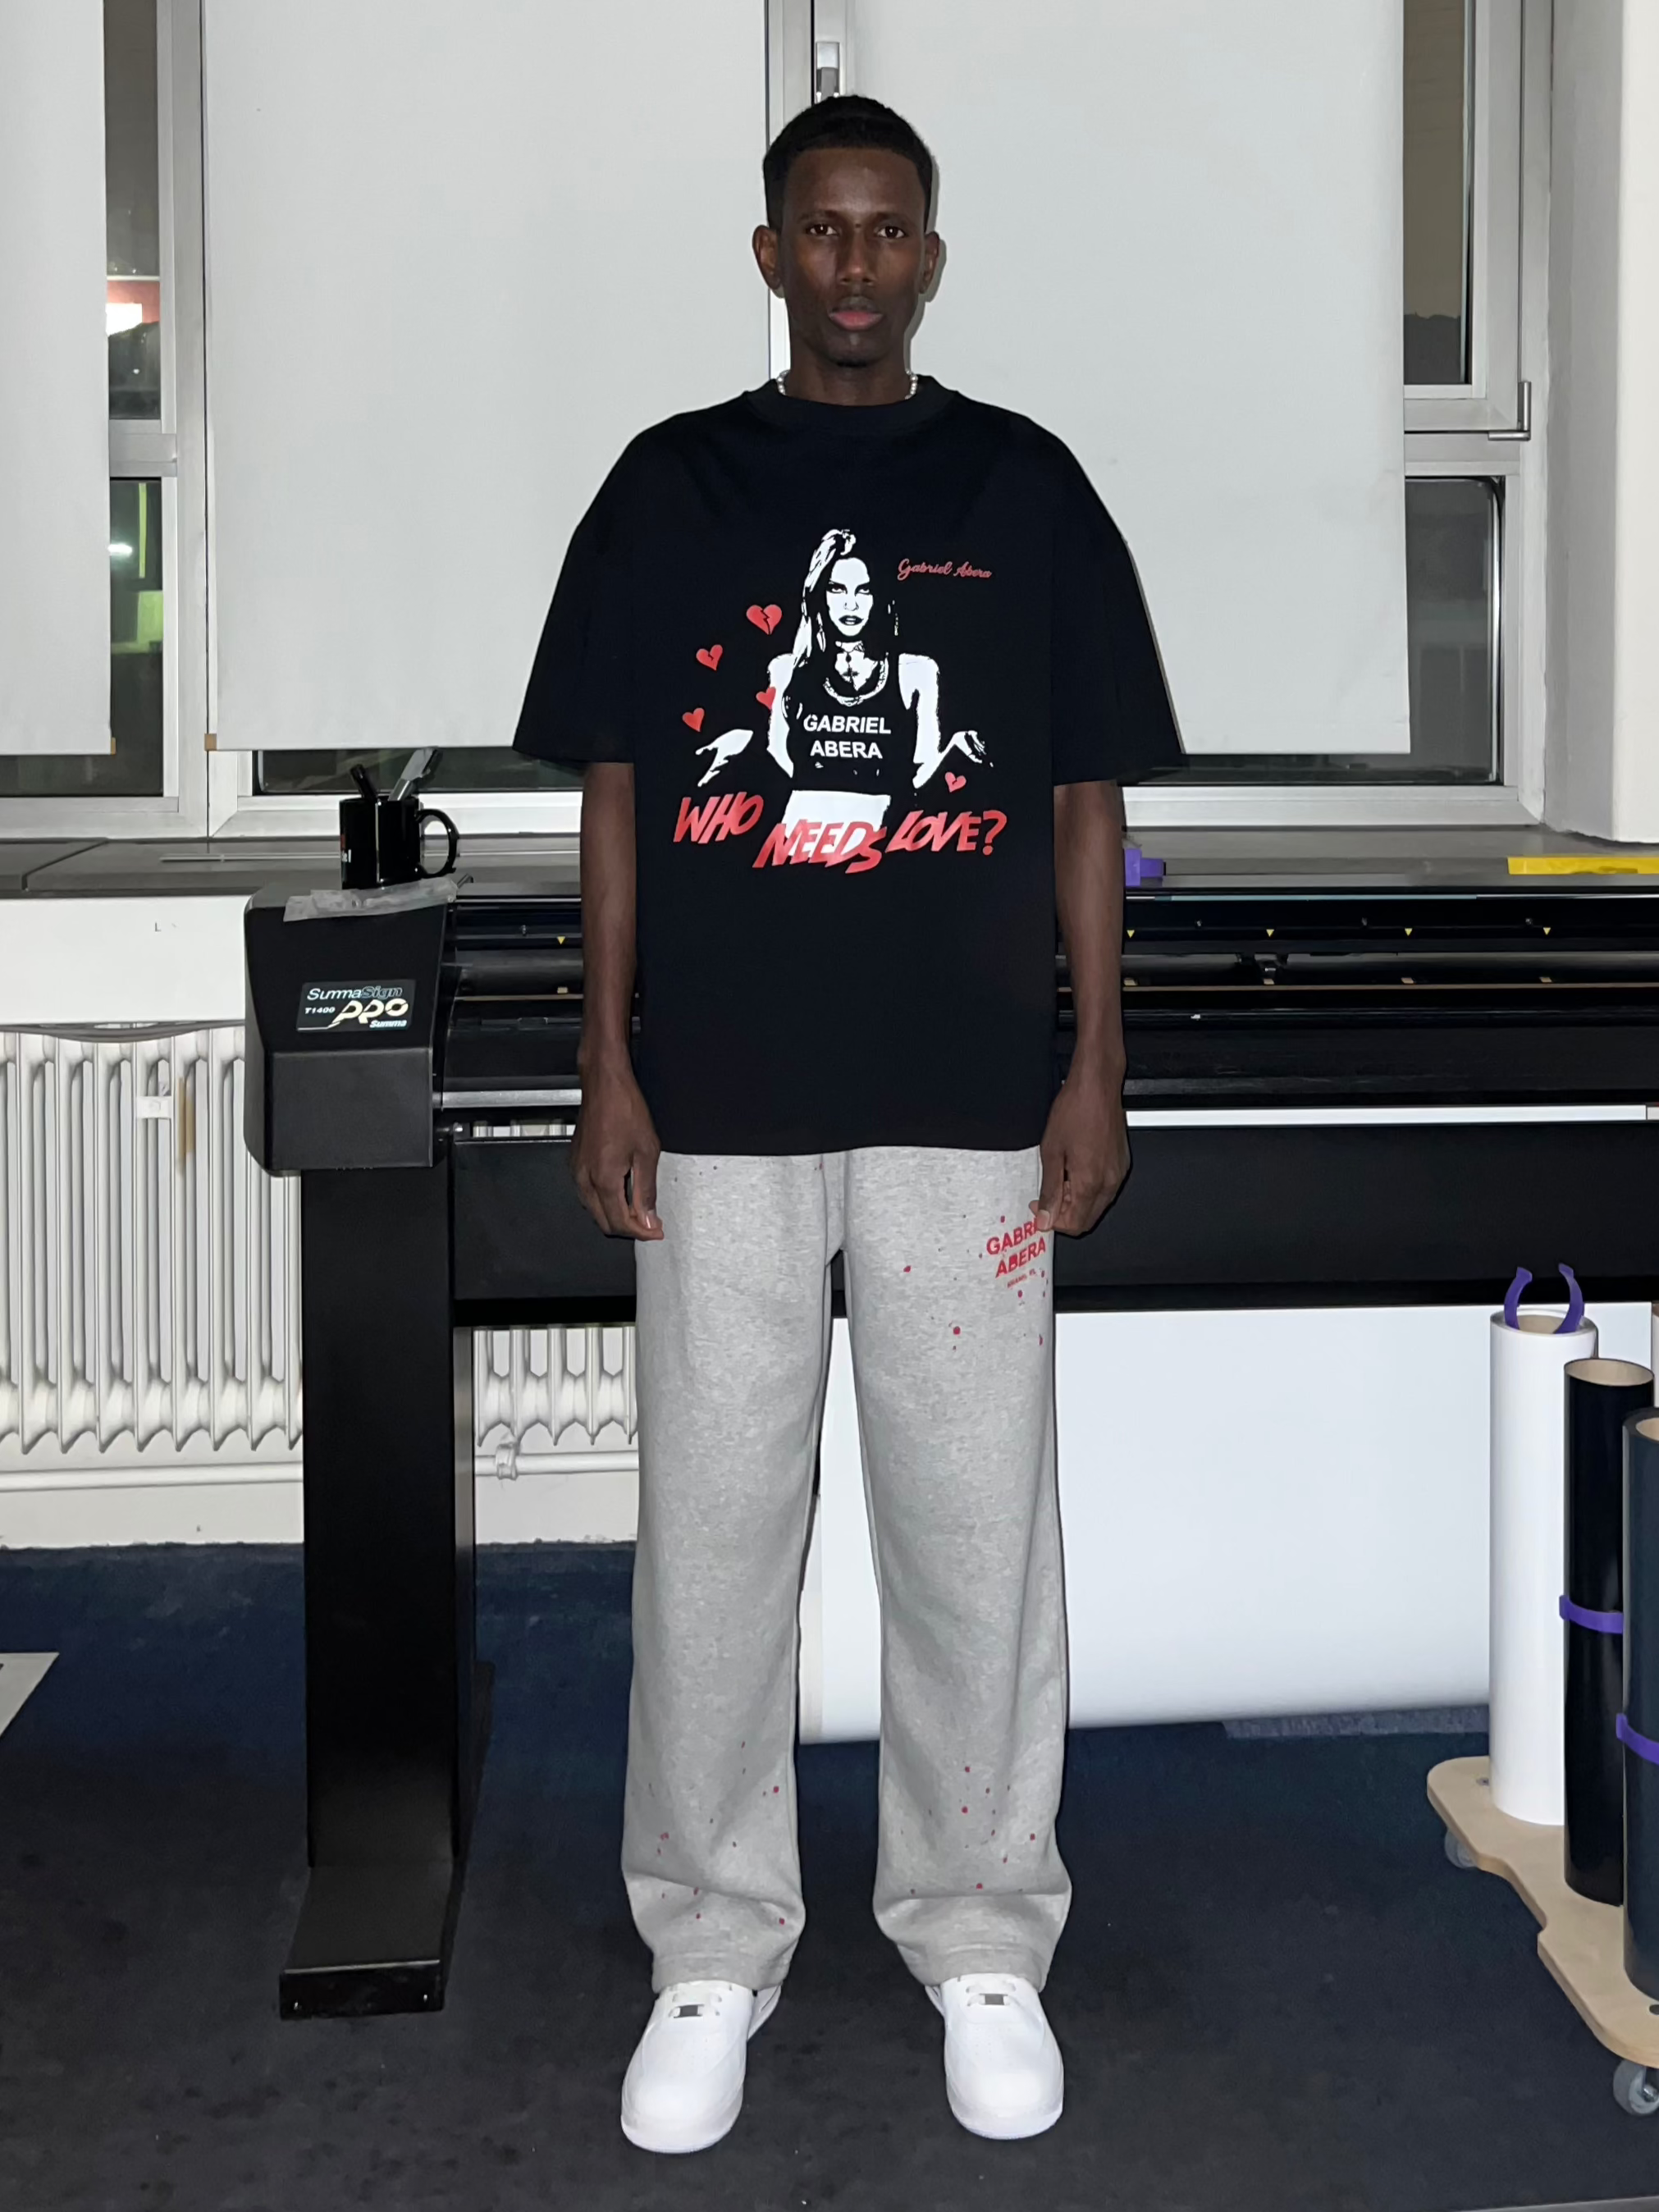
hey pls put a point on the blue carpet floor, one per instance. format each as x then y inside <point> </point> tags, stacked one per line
<point>1273,1994</point>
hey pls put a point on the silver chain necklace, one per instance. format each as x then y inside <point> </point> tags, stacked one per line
<point>910,394</point>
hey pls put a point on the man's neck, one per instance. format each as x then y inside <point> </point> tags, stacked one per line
<point>831,384</point>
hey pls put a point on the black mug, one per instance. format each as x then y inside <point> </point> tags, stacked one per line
<point>380,841</point>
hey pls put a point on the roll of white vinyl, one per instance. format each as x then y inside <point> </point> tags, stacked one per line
<point>1528,1397</point>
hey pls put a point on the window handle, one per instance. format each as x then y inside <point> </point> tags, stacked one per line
<point>826,68</point>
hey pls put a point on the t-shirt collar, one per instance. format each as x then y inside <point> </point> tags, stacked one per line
<point>929,400</point>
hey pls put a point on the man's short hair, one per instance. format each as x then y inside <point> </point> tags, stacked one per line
<point>848,121</point>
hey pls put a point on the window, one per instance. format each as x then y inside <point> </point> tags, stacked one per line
<point>132,180</point>
<point>1467,417</point>
<point>483,767</point>
<point>1437,143</point>
<point>1476,75</point>
<point>1454,528</point>
<point>135,766</point>
<point>1464,91</point>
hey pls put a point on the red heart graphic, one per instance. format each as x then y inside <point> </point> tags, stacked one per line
<point>710,655</point>
<point>953,782</point>
<point>766,697</point>
<point>694,720</point>
<point>766,618</point>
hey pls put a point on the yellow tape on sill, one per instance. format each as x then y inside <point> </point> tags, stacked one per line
<point>1575,863</point>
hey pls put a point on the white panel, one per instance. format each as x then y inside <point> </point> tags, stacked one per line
<point>1175,238</point>
<point>1264,1513</point>
<point>54,399</point>
<point>457,257</point>
<point>65,960</point>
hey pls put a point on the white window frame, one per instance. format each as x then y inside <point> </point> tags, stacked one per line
<point>1493,398</point>
<point>1451,430</point>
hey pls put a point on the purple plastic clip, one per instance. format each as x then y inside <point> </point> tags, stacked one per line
<point>1643,1746</point>
<point>1570,1320</point>
<point>1604,1624</point>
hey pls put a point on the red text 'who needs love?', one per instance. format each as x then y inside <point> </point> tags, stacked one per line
<point>857,845</point>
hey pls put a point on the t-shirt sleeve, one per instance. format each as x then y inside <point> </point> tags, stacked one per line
<point>576,704</point>
<point>1112,718</point>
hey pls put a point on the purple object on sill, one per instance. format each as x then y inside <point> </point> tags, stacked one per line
<point>1140,867</point>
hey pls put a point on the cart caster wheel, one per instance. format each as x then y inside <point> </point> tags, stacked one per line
<point>1635,2089</point>
<point>1459,1853</point>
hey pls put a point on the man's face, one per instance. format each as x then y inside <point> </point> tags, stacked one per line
<point>848,597</point>
<point>852,254</point>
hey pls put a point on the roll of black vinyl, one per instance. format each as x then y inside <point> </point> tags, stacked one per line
<point>1638,1723</point>
<point>1601,1394</point>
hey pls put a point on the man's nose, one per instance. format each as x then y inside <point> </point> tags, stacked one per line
<point>854,264</point>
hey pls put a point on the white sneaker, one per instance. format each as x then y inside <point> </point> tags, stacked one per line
<point>1003,2071</point>
<point>684,2088</point>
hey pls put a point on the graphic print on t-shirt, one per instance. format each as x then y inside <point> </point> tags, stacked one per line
<point>852,724</point>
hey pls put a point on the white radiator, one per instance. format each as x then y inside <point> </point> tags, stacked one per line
<point>149,1293</point>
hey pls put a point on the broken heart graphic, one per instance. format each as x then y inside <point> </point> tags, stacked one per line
<point>766,618</point>
<point>710,655</point>
<point>766,697</point>
<point>694,720</point>
<point>953,782</point>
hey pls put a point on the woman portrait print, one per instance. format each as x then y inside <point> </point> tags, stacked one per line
<point>853,719</point>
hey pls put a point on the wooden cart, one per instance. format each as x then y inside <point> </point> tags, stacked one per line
<point>1581,1943</point>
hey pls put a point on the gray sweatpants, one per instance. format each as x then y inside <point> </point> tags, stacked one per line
<point>949,1299</point>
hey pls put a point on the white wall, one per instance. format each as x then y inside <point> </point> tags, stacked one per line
<point>1263,1513</point>
<point>1602,760</point>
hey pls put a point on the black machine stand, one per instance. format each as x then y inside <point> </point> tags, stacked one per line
<point>396,1707</point>
<point>415,1231</point>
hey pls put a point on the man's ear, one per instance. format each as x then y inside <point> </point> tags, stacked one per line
<point>765,244</point>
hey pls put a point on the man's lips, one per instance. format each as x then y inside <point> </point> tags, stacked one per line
<point>855,319</point>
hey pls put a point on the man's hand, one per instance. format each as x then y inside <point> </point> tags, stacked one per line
<point>1086,1154</point>
<point>614,1157</point>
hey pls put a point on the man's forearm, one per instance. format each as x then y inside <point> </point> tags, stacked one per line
<point>608,916</point>
<point>1088,892</point>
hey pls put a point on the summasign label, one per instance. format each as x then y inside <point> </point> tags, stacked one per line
<point>351,1008</point>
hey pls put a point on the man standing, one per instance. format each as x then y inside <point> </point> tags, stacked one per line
<point>841,895</point>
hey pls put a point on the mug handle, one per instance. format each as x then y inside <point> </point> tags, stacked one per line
<point>432,814</point>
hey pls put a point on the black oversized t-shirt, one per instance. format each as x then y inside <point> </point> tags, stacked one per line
<point>850,651</point>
